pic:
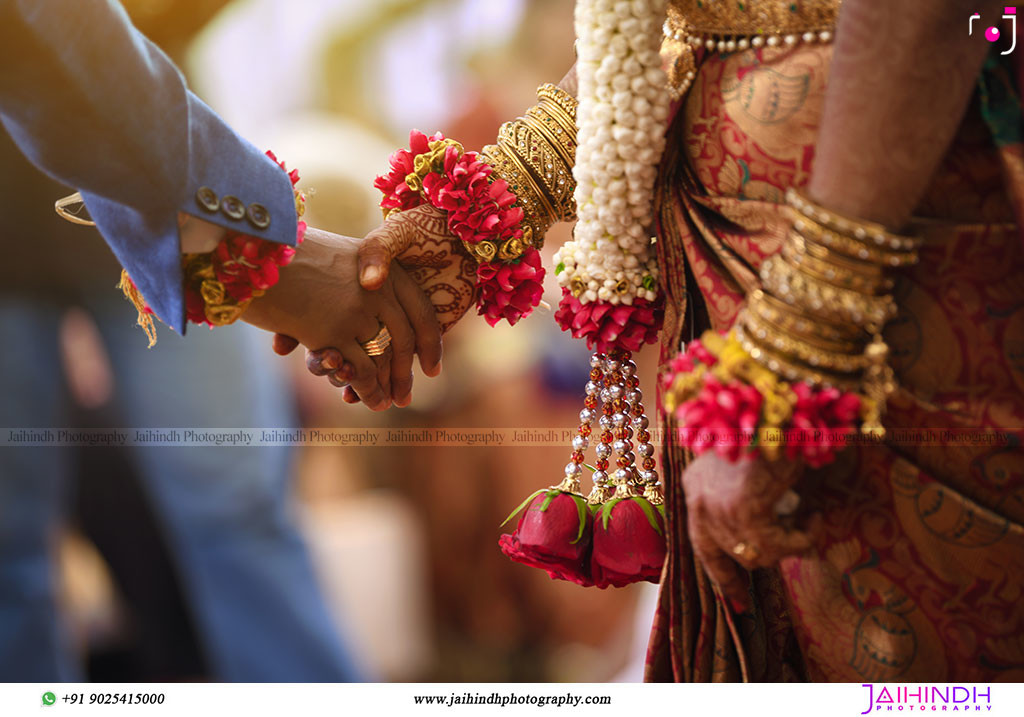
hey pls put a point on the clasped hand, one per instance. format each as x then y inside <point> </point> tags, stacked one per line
<point>319,302</point>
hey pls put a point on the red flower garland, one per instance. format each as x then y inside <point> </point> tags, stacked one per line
<point>480,207</point>
<point>609,326</point>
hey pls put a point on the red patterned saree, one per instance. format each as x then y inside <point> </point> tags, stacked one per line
<point>920,573</point>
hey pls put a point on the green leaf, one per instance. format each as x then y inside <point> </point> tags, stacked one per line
<point>522,505</point>
<point>587,465</point>
<point>560,268</point>
<point>548,497</point>
<point>648,510</point>
<point>581,507</point>
<point>606,511</point>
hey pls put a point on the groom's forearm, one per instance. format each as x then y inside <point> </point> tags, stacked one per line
<point>97,106</point>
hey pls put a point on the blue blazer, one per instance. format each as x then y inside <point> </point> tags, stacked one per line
<point>97,106</point>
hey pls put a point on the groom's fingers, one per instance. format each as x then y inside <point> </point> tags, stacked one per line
<point>324,361</point>
<point>423,320</point>
<point>364,380</point>
<point>284,345</point>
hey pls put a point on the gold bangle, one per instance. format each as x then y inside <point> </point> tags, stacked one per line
<point>516,148</point>
<point>566,123</point>
<point>782,366</point>
<point>863,231</point>
<point>866,269</point>
<point>560,98</point>
<point>540,123</point>
<point>809,331</point>
<point>850,247</point>
<point>845,305</point>
<point>522,185</point>
<point>825,272</point>
<point>555,171</point>
<point>800,349</point>
<point>793,318</point>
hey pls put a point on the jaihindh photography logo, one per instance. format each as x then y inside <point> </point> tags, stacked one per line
<point>927,698</point>
<point>992,33</point>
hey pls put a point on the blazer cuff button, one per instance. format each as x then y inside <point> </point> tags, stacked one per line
<point>232,207</point>
<point>207,199</point>
<point>259,217</point>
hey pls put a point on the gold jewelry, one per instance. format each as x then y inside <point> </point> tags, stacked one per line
<point>800,349</point>
<point>379,344</point>
<point>534,146</point>
<point>730,26</point>
<point>845,305</point>
<point>536,212</point>
<point>792,319</point>
<point>863,231</point>
<point>781,365</point>
<point>792,252</point>
<point>532,157</point>
<point>746,551</point>
<point>561,99</point>
<point>849,246</point>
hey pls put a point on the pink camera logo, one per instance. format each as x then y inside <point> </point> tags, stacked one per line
<point>992,33</point>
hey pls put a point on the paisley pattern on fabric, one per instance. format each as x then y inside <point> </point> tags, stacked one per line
<point>920,575</point>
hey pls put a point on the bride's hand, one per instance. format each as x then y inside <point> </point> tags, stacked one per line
<point>733,515</point>
<point>420,242</point>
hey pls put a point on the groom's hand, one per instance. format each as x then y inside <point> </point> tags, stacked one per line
<point>319,302</point>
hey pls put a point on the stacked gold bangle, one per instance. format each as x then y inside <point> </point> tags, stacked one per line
<point>824,300</point>
<point>535,155</point>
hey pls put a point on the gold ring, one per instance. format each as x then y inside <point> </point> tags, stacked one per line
<point>379,343</point>
<point>745,551</point>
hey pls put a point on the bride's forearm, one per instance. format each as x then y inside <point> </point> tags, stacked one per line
<point>901,78</point>
<point>568,83</point>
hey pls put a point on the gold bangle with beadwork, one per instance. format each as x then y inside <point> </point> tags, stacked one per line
<point>801,349</point>
<point>823,271</point>
<point>533,184</point>
<point>794,318</point>
<point>561,99</point>
<point>786,368</point>
<point>555,171</point>
<point>850,246</point>
<point>859,229</point>
<point>522,186</point>
<point>807,331</point>
<point>796,287</point>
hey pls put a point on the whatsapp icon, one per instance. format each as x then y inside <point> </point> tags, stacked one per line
<point>49,698</point>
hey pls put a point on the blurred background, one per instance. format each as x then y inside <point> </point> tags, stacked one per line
<point>164,566</point>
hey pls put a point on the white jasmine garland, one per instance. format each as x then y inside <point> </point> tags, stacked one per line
<point>623,106</point>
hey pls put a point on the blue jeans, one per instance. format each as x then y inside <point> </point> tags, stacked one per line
<point>224,511</point>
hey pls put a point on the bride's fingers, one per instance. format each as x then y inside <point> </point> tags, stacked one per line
<point>284,345</point>
<point>403,345</point>
<point>377,250</point>
<point>384,374</point>
<point>422,319</point>
<point>348,395</point>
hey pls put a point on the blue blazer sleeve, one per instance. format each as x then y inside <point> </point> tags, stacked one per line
<point>97,106</point>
